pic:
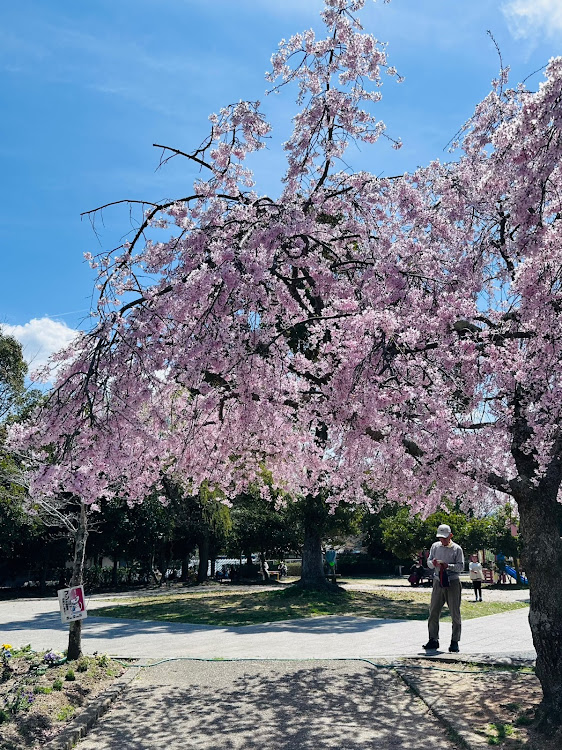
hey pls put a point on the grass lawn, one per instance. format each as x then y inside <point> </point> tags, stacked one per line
<point>255,607</point>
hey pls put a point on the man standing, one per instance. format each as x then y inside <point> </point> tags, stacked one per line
<point>447,561</point>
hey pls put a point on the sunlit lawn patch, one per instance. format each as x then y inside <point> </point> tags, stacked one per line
<point>255,607</point>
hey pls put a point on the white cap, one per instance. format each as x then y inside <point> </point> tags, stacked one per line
<point>444,531</point>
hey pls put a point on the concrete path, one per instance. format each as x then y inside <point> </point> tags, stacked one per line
<point>251,706</point>
<point>37,622</point>
<point>334,691</point>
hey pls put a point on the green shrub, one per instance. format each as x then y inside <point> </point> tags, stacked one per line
<point>57,684</point>
<point>4,716</point>
<point>93,576</point>
<point>70,676</point>
<point>83,664</point>
<point>103,660</point>
<point>42,690</point>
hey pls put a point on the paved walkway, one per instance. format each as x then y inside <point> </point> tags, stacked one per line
<point>281,706</point>
<point>38,622</point>
<point>332,692</point>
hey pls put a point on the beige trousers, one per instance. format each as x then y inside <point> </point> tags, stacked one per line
<point>450,596</point>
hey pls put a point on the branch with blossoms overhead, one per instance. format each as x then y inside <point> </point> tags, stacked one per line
<point>349,306</point>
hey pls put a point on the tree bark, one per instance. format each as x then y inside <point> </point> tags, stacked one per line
<point>43,578</point>
<point>542,561</point>
<point>75,633</point>
<point>114,571</point>
<point>313,575</point>
<point>202,574</point>
<point>185,569</point>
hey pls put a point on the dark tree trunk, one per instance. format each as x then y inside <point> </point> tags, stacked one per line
<point>185,569</point>
<point>75,633</point>
<point>163,566</point>
<point>213,566</point>
<point>114,571</point>
<point>313,575</point>
<point>542,561</point>
<point>43,578</point>
<point>202,574</point>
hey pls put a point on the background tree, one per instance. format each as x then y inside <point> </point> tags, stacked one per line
<point>12,375</point>
<point>407,535</point>
<point>404,534</point>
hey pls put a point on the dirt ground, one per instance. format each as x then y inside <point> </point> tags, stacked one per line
<point>486,706</point>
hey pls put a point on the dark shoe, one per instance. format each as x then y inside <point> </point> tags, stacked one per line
<point>431,645</point>
<point>454,647</point>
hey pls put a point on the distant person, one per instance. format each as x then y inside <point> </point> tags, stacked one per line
<point>416,574</point>
<point>476,576</point>
<point>446,559</point>
<point>500,566</point>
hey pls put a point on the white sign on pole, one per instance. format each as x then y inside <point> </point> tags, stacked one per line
<point>72,604</point>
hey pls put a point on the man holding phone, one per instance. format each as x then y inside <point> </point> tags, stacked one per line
<point>446,559</point>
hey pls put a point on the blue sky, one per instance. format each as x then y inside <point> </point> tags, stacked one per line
<point>86,88</point>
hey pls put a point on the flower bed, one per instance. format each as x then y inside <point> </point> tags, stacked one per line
<point>40,692</point>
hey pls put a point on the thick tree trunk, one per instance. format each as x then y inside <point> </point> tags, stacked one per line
<point>75,633</point>
<point>313,575</point>
<point>202,572</point>
<point>542,562</point>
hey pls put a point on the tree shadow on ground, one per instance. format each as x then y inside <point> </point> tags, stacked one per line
<point>243,706</point>
<point>265,607</point>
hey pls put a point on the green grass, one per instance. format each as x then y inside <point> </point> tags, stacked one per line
<point>65,713</point>
<point>498,732</point>
<point>256,607</point>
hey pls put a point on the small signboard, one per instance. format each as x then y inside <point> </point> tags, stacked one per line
<point>72,604</point>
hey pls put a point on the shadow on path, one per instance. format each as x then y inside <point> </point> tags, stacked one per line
<point>242,707</point>
<point>120,628</point>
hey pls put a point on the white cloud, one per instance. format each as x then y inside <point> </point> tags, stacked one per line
<point>40,338</point>
<point>528,18</point>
